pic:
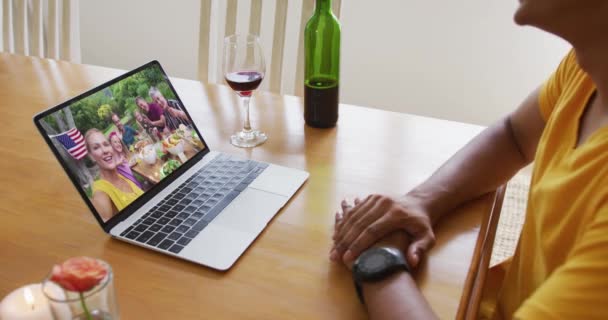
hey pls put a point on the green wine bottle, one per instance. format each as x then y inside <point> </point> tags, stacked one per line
<point>322,67</point>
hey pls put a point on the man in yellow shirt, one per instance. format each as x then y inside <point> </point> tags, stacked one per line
<point>560,268</point>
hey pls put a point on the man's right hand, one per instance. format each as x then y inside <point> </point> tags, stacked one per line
<point>375,217</point>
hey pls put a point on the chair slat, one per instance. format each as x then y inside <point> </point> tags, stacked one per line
<point>203,40</point>
<point>53,30</point>
<point>20,27</point>
<point>336,7</point>
<point>231,12</point>
<point>307,9</point>
<point>70,38</point>
<point>255,20</point>
<point>219,19</point>
<point>37,31</point>
<point>219,10</point>
<point>7,26</point>
<point>65,26</point>
<point>278,43</point>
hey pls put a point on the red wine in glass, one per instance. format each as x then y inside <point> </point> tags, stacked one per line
<point>244,69</point>
<point>244,82</point>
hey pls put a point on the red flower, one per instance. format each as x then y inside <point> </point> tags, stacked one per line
<point>79,274</point>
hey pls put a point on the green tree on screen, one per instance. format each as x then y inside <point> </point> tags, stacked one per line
<point>104,112</point>
<point>153,75</point>
<point>165,90</point>
<point>94,110</point>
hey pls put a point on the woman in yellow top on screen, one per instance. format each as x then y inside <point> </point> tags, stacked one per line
<point>112,192</point>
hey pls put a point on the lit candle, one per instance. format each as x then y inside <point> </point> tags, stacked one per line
<point>26,303</point>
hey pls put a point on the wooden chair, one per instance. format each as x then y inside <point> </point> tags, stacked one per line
<point>500,231</point>
<point>41,28</point>
<point>272,22</point>
<point>473,286</point>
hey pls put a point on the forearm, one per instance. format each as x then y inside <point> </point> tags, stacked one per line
<point>484,164</point>
<point>158,123</point>
<point>396,297</point>
<point>181,114</point>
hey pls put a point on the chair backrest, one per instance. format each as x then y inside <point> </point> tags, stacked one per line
<point>41,28</point>
<point>279,24</point>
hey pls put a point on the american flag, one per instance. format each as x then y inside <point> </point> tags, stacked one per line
<point>73,141</point>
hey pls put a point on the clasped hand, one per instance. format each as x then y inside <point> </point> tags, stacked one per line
<point>381,219</point>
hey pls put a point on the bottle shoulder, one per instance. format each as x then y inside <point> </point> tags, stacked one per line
<point>327,19</point>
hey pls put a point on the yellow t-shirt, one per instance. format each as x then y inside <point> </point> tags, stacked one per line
<point>119,198</point>
<point>560,267</point>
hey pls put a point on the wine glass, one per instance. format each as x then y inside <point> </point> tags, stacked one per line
<point>244,70</point>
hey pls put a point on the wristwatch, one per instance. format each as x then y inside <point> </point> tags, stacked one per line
<point>376,264</point>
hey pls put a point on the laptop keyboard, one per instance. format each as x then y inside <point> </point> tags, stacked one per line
<point>176,220</point>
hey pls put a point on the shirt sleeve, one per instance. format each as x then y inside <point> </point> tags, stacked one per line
<point>553,87</point>
<point>133,131</point>
<point>579,288</point>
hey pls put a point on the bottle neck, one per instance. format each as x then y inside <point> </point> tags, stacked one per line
<point>323,6</point>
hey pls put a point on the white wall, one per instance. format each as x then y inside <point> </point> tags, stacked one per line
<point>126,34</point>
<point>458,60</point>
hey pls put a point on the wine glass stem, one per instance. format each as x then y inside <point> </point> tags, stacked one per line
<point>247,124</point>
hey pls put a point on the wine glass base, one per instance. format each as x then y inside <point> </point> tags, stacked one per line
<point>248,139</point>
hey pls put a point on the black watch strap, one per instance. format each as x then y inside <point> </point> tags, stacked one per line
<point>359,290</point>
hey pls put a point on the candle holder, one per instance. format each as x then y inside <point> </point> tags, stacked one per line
<point>26,303</point>
<point>97,303</point>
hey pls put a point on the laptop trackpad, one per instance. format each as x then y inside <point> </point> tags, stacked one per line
<point>230,233</point>
<point>250,211</point>
<point>217,247</point>
<point>280,180</point>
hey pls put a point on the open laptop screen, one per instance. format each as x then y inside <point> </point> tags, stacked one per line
<point>121,139</point>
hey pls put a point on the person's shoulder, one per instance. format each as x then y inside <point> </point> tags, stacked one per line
<point>100,193</point>
<point>101,185</point>
<point>570,58</point>
<point>570,68</point>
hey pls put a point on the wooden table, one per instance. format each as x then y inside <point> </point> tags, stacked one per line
<point>285,274</point>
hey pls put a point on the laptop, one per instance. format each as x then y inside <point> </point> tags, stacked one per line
<point>143,168</point>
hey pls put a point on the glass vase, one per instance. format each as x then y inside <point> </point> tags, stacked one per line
<point>98,303</point>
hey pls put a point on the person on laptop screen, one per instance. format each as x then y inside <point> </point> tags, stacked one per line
<point>154,115</point>
<point>112,192</point>
<point>122,158</point>
<point>172,111</point>
<point>125,132</point>
<point>113,171</point>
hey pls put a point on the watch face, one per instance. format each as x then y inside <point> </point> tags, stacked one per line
<point>377,263</point>
<point>374,262</point>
